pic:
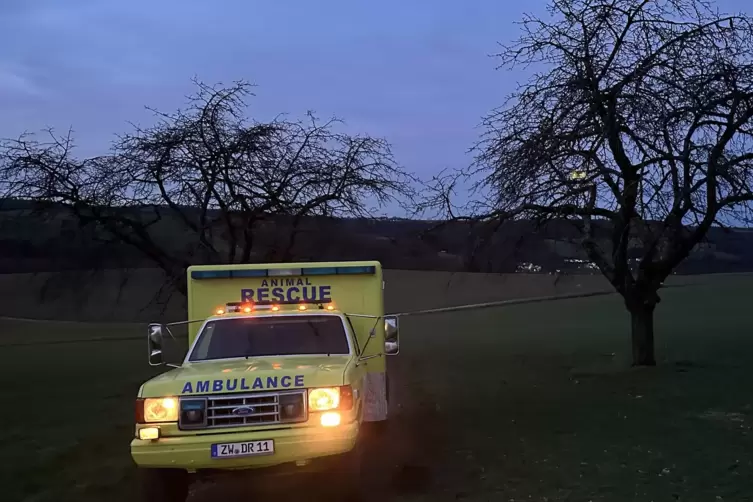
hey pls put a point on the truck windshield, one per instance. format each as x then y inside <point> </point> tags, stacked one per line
<point>271,336</point>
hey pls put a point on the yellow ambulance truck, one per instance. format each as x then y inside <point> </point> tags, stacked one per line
<point>285,364</point>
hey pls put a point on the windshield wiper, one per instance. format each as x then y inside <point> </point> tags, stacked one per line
<point>315,329</point>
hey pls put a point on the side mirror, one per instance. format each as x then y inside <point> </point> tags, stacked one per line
<point>154,343</point>
<point>391,336</point>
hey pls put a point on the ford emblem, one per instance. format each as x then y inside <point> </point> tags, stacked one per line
<point>243,411</point>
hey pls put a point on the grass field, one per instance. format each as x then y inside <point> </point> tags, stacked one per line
<point>532,402</point>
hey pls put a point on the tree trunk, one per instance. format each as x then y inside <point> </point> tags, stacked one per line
<point>642,330</point>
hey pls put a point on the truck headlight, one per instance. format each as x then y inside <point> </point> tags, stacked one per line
<point>326,398</point>
<point>160,409</point>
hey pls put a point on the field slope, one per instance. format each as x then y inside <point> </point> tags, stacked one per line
<point>532,402</point>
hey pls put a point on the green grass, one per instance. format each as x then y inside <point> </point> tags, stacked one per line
<point>533,402</point>
<point>69,410</point>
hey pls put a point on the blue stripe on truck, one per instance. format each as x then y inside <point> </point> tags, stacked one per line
<point>227,274</point>
<point>210,274</point>
<point>239,274</point>
<point>368,270</point>
<point>320,271</point>
<point>249,273</point>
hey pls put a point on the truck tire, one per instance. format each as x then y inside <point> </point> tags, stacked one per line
<point>377,430</point>
<point>351,468</point>
<point>164,485</point>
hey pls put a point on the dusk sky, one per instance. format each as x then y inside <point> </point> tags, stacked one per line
<point>416,72</point>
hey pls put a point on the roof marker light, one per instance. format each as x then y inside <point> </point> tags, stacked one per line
<point>275,308</point>
<point>219,311</point>
<point>301,307</point>
<point>330,307</point>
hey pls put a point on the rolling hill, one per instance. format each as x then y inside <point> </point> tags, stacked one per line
<point>34,240</point>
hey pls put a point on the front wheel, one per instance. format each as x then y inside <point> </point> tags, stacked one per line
<point>351,472</point>
<point>164,485</point>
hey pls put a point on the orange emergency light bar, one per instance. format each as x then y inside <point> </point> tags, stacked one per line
<point>248,308</point>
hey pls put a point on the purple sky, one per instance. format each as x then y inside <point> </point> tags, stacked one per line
<point>416,72</point>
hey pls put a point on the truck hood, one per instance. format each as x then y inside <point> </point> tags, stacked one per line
<point>248,375</point>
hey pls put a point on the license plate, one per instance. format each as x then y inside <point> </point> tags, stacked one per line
<point>244,449</point>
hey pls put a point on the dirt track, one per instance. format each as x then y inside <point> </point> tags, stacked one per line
<point>400,465</point>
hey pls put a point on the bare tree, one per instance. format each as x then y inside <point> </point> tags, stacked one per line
<point>635,126</point>
<point>203,183</point>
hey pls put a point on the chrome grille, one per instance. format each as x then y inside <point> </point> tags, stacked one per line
<point>236,410</point>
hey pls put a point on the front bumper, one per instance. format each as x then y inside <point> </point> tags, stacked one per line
<point>192,452</point>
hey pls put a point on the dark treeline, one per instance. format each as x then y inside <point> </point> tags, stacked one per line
<point>34,239</point>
